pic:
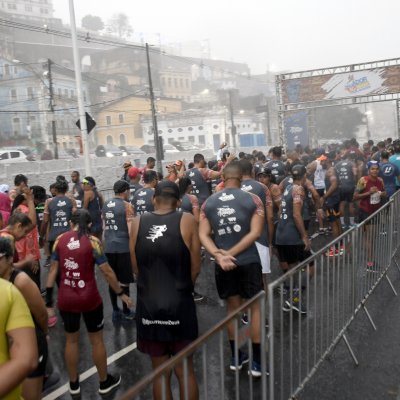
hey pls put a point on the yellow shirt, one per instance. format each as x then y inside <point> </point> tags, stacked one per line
<point>14,314</point>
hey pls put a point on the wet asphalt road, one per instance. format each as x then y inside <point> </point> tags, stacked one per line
<point>377,376</point>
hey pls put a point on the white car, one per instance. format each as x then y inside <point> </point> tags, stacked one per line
<point>12,156</point>
<point>168,148</point>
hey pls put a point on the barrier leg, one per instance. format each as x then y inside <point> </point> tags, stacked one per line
<point>391,285</point>
<point>353,356</point>
<point>369,317</point>
<point>396,264</point>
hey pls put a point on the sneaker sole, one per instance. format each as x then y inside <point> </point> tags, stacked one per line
<point>108,390</point>
<point>239,367</point>
<point>74,392</point>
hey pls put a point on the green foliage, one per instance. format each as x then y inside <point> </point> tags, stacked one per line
<point>119,24</point>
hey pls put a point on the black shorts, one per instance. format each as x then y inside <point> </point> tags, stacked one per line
<point>94,320</point>
<point>346,195</point>
<point>332,212</point>
<point>292,254</point>
<point>321,192</point>
<point>363,215</point>
<point>159,349</point>
<point>43,354</point>
<point>244,281</point>
<point>121,265</point>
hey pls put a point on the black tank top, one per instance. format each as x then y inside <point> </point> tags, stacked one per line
<point>165,307</point>
<point>94,208</point>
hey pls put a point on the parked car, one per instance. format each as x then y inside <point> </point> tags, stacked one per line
<point>168,148</point>
<point>148,149</point>
<point>30,155</point>
<point>107,150</point>
<point>12,156</point>
<point>131,150</point>
<point>185,146</point>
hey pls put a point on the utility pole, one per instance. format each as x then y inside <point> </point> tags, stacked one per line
<point>233,126</point>
<point>53,121</point>
<point>153,114</point>
<point>268,118</point>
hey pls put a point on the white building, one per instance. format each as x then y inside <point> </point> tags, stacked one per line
<point>31,10</point>
<point>205,130</point>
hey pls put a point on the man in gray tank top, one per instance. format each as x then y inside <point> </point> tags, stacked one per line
<point>292,241</point>
<point>117,213</point>
<point>230,223</point>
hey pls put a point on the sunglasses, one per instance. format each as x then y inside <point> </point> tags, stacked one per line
<point>84,182</point>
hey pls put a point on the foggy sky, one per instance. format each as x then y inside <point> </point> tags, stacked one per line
<point>284,34</point>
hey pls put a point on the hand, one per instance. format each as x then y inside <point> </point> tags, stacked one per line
<point>373,189</point>
<point>127,300</point>
<point>225,261</point>
<point>27,192</point>
<point>307,243</point>
<point>35,266</point>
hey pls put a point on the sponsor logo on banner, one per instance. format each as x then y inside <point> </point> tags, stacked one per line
<point>355,84</point>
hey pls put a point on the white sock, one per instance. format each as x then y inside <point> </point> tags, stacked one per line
<point>351,220</point>
<point>342,220</point>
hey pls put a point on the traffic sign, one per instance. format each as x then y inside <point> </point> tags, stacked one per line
<point>90,123</point>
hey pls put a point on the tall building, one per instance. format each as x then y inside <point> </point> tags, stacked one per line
<point>29,10</point>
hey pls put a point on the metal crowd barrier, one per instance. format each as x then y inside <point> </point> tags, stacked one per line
<point>331,291</point>
<point>211,358</point>
<point>107,193</point>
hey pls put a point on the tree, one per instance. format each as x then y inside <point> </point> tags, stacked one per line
<point>119,24</point>
<point>338,123</point>
<point>92,22</point>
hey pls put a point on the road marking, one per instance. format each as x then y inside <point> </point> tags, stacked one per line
<point>91,371</point>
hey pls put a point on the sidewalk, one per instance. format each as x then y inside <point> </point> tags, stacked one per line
<point>378,352</point>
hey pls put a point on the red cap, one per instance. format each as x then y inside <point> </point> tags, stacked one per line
<point>133,172</point>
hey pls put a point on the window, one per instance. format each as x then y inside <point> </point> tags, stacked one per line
<point>15,70</point>
<point>122,139</point>
<point>169,82</point>
<point>4,156</point>
<point>6,69</point>
<point>200,128</point>
<point>181,83</point>
<point>108,119</point>
<point>180,129</point>
<point>66,92</point>
<point>28,7</point>
<point>163,81</point>
<point>190,128</point>
<point>176,82</point>
<point>202,139</point>
<point>44,11</point>
<point>109,139</point>
<point>72,93</point>
<point>191,139</point>
<point>13,95</point>
<point>121,118</point>
<point>59,91</point>
<point>29,91</point>
<point>14,154</point>
<point>62,124</point>
<point>11,6</point>
<point>187,82</point>
<point>215,126</point>
<point>170,130</point>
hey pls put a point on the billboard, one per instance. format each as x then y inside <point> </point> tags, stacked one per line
<point>384,80</point>
<point>296,129</point>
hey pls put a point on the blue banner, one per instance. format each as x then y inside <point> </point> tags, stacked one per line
<point>296,130</point>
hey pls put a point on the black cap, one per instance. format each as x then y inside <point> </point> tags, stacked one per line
<point>264,171</point>
<point>298,171</point>
<point>167,189</point>
<point>120,187</point>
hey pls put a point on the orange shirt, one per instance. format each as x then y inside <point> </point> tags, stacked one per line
<point>30,243</point>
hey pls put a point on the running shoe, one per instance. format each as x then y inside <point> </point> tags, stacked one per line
<point>245,319</point>
<point>243,359</point>
<point>322,231</point>
<point>129,316</point>
<point>109,384</point>
<point>342,250</point>
<point>255,370</point>
<point>332,252</point>
<point>295,305</point>
<point>74,388</point>
<point>47,262</point>
<point>52,321</point>
<point>372,267</point>
<point>197,296</point>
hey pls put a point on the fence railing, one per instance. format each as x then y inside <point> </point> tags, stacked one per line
<point>211,359</point>
<point>310,309</point>
<point>312,305</point>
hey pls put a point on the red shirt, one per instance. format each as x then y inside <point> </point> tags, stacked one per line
<point>76,257</point>
<point>364,185</point>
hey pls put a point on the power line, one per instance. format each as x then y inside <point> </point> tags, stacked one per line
<point>107,42</point>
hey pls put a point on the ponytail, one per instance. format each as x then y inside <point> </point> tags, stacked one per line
<point>82,219</point>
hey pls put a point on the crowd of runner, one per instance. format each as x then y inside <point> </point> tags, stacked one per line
<point>238,210</point>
